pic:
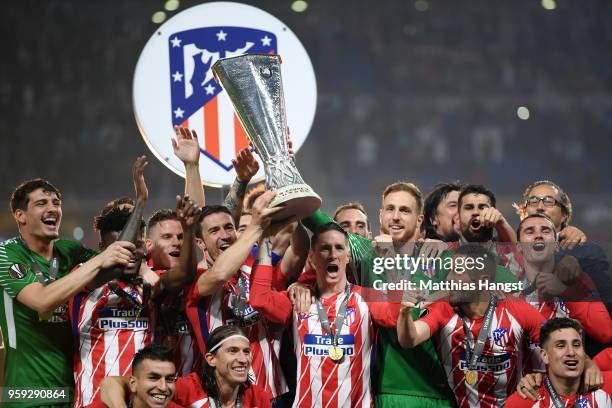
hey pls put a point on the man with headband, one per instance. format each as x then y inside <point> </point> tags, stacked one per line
<point>223,380</point>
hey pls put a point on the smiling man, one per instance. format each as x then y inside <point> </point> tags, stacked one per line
<point>561,341</point>
<point>36,286</point>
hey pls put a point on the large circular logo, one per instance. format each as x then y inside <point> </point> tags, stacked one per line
<point>173,83</point>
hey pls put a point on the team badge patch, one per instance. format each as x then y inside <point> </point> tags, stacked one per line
<point>18,271</point>
<point>500,336</point>
<point>349,316</point>
<point>195,93</point>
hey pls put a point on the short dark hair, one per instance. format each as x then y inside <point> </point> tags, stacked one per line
<point>476,189</point>
<point>330,226</point>
<point>432,200</point>
<point>210,210</point>
<point>111,220</point>
<point>559,323</point>
<point>207,374</point>
<point>535,215</point>
<point>20,196</point>
<point>159,216</point>
<point>152,352</point>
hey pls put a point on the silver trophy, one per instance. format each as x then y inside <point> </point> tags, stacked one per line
<point>253,84</point>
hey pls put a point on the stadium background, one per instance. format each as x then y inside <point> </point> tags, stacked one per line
<point>425,91</point>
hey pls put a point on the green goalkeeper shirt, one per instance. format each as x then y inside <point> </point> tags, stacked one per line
<point>38,348</point>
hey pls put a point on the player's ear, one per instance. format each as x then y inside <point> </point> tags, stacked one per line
<point>148,244</point>
<point>211,360</point>
<point>544,355</point>
<point>132,384</point>
<point>19,216</point>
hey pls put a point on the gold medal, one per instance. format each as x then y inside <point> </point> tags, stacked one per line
<point>335,353</point>
<point>169,341</point>
<point>471,377</point>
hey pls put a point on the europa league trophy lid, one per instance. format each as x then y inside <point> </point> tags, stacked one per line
<point>254,85</point>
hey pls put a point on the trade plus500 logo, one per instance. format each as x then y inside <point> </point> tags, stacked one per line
<point>115,319</point>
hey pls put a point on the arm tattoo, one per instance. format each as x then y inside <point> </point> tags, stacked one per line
<point>264,255</point>
<point>236,194</point>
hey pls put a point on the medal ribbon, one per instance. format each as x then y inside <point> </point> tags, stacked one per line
<point>339,316</point>
<point>146,292</point>
<point>53,265</point>
<point>473,352</point>
<point>554,396</point>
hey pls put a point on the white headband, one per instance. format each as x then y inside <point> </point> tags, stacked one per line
<point>233,336</point>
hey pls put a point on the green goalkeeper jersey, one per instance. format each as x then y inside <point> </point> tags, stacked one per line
<point>38,348</point>
<point>415,371</point>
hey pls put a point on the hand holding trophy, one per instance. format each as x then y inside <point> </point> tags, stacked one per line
<point>254,86</point>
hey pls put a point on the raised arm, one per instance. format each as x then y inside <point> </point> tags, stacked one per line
<point>296,255</point>
<point>232,258</point>
<point>246,167</point>
<point>185,272</point>
<point>410,333</point>
<point>187,149</point>
<point>276,306</point>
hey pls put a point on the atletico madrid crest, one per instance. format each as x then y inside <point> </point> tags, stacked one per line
<point>195,93</point>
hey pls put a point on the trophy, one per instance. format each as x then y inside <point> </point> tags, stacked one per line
<point>253,84</point>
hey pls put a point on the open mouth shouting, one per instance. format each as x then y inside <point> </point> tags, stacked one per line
<point>175,253</point>
<point>224,246</point>
<point>539,246</point>
<point>475,225</point>
<point>332,270</point>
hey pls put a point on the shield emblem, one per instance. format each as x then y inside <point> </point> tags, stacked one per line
<point>196,101</point>
<point>501,336</point>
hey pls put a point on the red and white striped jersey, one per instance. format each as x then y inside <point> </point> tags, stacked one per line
<point>322,382</point>
<point>189,393</point>
<point>209,312</point>
<point>108,330</point>
<point>505,352</point>
<point>596,399</point>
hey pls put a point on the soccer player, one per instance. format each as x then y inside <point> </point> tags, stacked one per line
<point>223,382</point>
<point>117,319</point>
<point>477,217</point>
<point>439,211</point>
<point>547,197</point>
<point>411,377</point>
<point>546,292</point>
<point>221,294</point>
<point>563,352</point>
<point>151,385</point>
<point>354,219</point>
<point>333,342</point>
<point>481,341</point>
<point>36,286</point>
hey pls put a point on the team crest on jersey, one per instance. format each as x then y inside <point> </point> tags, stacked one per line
<point>501,336</point>
<point>18,271</point>
<point>304,316</point>
<point>194,91</point>
<point>349,316</point>
<point>582,402</point>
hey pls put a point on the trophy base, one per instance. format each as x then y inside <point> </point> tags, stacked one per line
<point>299,200</point>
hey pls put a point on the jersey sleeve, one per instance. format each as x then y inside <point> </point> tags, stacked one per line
<point>276,306</point>
<point>515,401</point>
<point>308,277</point>
<point>188,390</point>
<point>384,314</point>
<point>435,316</point>
<point>15,272</point>
<point>255,396</point>
<point>604,360</point>
<point>529,318</point>
<point>595,319</point>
